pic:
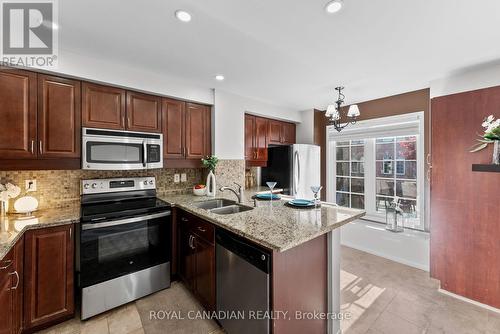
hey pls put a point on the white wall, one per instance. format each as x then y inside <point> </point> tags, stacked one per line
<point>305,130</point>
<point>229,128</point>
<point>131,77</point>
<point>472,78</point>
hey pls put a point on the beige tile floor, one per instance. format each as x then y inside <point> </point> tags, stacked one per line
<point>381,296</point>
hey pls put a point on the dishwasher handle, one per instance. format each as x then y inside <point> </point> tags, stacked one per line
<point>251,253</point>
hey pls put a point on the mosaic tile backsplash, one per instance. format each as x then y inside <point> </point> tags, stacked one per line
<point>60,188</point>
<point>57,188</point>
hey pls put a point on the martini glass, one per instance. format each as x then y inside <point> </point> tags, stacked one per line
<point>271,186</point>
<point>316,190</point>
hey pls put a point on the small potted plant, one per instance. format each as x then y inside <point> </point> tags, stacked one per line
<point>491,136</point>
<point>210,162</point>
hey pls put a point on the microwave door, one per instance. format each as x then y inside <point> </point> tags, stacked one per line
<point>108,153</point>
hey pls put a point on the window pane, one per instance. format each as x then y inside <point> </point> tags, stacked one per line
<point>358,185</point>
<point>342,143</point>
<point>406,169</point>
<point>383,202</point>
<point>409,207</point>
<point>408,138</point>
<point>385,168</point>
<point>343,153</point>
<point>385,187</point>
<point>406,189</point>
<point>358,142</point>
<point>385,140</point>
<point>358,201</point>
<point>343,168</point>
<point>343,184</point>
<point>384,151</point>
<point>343,199</point>
<point>406,150</point>
<point>357,153</point>
<point>357,169</point>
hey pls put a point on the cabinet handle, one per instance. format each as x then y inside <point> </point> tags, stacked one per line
<point>192,243</point>
<point>70,232</point>
<point>123,121</point>
<point>184,219</point>
<point>41,147</point>
<point>8,262</point>
<point>17,283</point>
<point>32,146</point>
<point>201,229</point>
<point>128,121</point>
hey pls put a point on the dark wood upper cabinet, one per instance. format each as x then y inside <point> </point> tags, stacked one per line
<point>103,106</point>
<point>275,132</point>
<point>198,143</point>
<point>249,137</point>
<point>261,133</point>
<point>288,133</point>
<point>143,112</point>
<point>17,114</point>
<point>173,122</point>
<point>59,117</point>
<point>49,266</point>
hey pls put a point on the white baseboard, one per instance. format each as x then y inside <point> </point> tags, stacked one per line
<point>462,298</point>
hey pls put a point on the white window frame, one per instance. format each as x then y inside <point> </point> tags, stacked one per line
<point>391,126</point>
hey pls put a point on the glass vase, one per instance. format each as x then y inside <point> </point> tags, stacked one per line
<point>496,153</point>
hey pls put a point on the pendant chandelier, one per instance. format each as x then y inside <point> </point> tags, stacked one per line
<point>334,112</point>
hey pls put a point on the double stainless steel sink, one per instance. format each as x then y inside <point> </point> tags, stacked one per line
<point>223,206</point>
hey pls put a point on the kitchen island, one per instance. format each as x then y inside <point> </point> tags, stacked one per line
<point>305,248</point>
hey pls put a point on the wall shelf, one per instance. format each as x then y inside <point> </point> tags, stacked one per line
<point>486,168</point>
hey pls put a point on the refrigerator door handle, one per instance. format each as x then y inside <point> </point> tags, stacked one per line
<point>296,177</point>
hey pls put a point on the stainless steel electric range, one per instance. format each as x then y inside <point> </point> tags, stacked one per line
<point>124,243</point>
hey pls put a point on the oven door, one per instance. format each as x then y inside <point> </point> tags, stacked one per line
<point>115,248</point>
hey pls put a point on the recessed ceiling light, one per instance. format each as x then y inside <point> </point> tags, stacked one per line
<point>219,77</point>
<point>334,6</point>
<point>183,16</point>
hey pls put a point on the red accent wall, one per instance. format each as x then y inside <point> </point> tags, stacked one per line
<point>465,205</point>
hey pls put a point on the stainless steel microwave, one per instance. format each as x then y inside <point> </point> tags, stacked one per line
<point>104,149</point>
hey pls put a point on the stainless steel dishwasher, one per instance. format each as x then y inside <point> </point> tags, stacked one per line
<point>242,285</point>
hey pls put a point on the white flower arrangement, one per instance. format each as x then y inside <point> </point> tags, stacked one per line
<point>9,191</point>
<point>491,133</point>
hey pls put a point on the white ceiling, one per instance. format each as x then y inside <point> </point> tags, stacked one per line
<point>289,52</point>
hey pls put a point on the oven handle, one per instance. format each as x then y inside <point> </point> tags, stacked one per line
<point>125,221</point>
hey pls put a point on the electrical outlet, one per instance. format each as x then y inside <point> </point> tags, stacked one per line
<point>177,178</point>
<point>183,177</point>
<point>30,185</point>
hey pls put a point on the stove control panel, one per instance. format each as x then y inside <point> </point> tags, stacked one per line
<point>101,186</point>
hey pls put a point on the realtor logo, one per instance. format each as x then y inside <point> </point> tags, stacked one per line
<point>29,33</point>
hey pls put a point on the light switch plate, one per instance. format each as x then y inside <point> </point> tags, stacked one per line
<point>177,178</point>
<point>30,185</point>
<point>183,177</point>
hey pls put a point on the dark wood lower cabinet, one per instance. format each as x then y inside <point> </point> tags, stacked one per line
<point>11,291</point>
<point>48,277</point>
<point>197,258</point>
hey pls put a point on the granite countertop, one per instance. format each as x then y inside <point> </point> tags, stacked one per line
<point>277,227</point>
<point>13,226</point>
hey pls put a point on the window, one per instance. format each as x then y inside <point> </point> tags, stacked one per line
<point>350,172</point>
<point>375,163</point>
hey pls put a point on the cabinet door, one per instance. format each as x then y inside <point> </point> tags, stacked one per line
<point>198,123</point>
<point>275,132</point>
<point>186,254</point>
<point>288,133</point>
<point>173,122</point>
<point>48,275</point>
<point>103,107</point>
<point>59,117</point>
<point>6,295</point>
<point>143,112</point>
<point>17,114</point>
<point>249,137</point>
<point>205,272</point>
<point>18,284</point>
<point>261,132</point>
